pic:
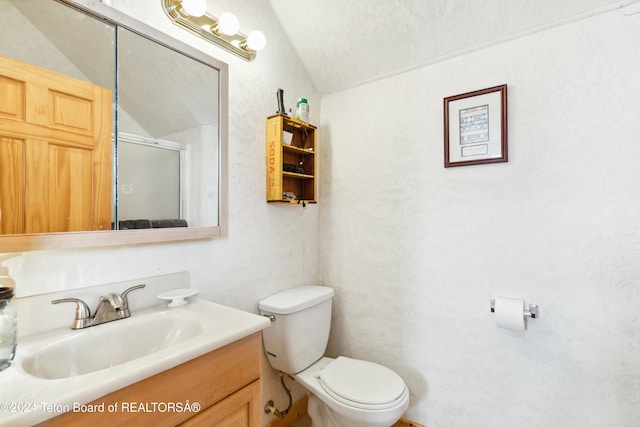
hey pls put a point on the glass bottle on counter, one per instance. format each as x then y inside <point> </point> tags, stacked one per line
<point>8,328</point>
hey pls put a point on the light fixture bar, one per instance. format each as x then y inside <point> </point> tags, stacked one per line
<point>204,26</point>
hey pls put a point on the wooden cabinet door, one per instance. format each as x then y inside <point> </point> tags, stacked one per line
<point>55,151</point>
<point>12,180</point>
<point>241,409</point>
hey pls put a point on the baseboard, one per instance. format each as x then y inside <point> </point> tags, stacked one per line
<point>299,409</point>
<point>403,422</point>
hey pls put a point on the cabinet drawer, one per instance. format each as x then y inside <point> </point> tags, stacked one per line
<point>205,380</point>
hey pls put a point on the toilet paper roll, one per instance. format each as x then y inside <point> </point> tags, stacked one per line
<point>509,313</point>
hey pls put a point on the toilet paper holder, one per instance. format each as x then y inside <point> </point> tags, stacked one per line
<point>532,313</point>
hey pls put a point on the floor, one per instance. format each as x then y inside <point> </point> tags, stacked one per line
<point>305,421</point>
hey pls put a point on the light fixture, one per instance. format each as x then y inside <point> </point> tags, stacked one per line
<point>223,32</point>
<point>194,7</point>
<point>228,24</point>
<point>256,40</point>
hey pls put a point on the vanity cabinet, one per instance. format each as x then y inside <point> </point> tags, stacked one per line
<point>225,383</point>
<point>291,160</point>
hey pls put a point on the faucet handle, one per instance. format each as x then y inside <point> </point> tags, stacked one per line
<point>83,314</point>
<point>124,294</point>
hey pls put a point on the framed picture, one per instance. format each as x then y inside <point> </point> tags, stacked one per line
<point>475,127</point>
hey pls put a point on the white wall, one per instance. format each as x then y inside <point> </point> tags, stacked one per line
<point>270,247</point>
<point>416,251</point>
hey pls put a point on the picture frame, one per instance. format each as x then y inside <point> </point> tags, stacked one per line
<point>475,127</point>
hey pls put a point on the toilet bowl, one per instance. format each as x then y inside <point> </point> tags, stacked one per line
<point>351,392</point>
<point>343,392</point>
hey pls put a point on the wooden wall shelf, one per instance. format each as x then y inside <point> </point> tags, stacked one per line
<point>291,167</point>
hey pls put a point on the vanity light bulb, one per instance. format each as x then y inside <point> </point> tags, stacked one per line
<point>194,7</point>
<point>228,24</point>
<point>256,40</point>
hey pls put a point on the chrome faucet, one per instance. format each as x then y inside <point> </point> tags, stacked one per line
<point>110,307</point>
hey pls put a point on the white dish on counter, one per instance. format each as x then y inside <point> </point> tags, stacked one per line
<point>177,296</point>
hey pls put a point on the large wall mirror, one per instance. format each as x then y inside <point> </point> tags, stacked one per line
<point>110,131</point>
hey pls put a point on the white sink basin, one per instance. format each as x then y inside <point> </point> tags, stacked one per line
<point>56,370</point>
<point>110,344</point>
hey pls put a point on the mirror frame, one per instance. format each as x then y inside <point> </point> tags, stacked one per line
<point>98,238</point>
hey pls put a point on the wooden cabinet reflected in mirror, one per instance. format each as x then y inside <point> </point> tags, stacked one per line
<point>112,126</point>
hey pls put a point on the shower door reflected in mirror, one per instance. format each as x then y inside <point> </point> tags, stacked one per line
<point>145,193</point>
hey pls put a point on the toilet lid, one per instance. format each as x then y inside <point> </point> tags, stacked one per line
<point>361,384</point>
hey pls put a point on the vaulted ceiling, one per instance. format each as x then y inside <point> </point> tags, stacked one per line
<point>343,43</point>
<point>346,42</point>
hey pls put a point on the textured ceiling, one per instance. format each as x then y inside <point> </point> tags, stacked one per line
<point>346,42</point>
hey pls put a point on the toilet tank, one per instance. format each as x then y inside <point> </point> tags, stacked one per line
<point>299,334</point>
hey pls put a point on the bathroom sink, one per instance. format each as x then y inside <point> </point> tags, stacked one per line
<point>55,371</point>
<point>108,345</point>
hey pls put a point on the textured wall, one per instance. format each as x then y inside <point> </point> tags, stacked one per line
<point>415,251</point>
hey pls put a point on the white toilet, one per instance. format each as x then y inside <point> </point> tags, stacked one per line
<point>342,392</point>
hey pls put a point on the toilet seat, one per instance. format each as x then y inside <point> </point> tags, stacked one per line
<point>361,384</point>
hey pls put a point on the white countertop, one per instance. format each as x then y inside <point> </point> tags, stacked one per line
<point>26,400</point>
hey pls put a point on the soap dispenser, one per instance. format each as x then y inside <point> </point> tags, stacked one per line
<point>8,320</point>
